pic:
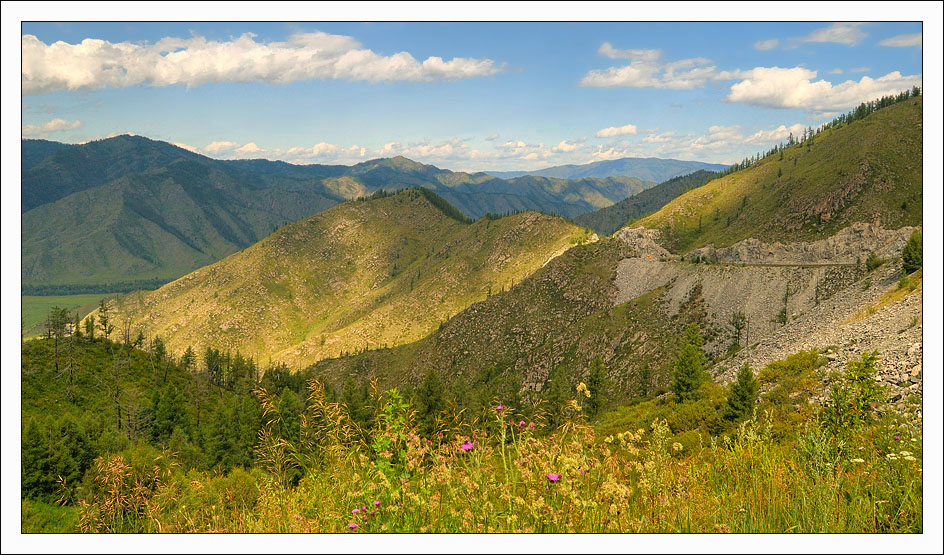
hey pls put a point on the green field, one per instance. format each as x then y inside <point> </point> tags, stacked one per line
<point>35,308</point>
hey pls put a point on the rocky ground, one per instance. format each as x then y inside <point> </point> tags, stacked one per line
<point>835,305</point>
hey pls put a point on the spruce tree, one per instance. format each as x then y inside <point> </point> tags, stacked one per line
<point>596,385</point>
<point>741,396</point>
<point>911,255</point>
<point>689,371</point>
<point>430,402</point>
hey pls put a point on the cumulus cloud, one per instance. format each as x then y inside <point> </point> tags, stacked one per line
<point>769,44</point>
<point>51,126</point>
<point>606,49</point>
<point>775,135</point>
<point>842,33</point>
<point>568,145</point>
<point>616,131</point>
<point>185,146</point>
<point>902,40</point>
<point>217,147</point>
<point>776,87</point>
<point>647,70</point>
<point>249,148</point>
<point>94,63</point>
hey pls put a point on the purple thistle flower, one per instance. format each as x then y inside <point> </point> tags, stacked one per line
<point>376,503</point>
<point>364,508</point>
<point>352,526</point>
<point>552,477</point>
<point>897,438</point>
<point>467,446</point>
<point>531,425</point>
<point>521,424</point>
<point>355,511</point>
<point>500,408</point>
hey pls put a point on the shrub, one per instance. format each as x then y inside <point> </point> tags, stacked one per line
<point>874,261</point>
<point>742,396</point>
<point>911,254</point>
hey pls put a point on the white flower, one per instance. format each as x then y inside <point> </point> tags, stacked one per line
<point>858,461</point>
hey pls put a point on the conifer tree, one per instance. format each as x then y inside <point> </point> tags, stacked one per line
<point>689,371</point>
<point>741,396</point>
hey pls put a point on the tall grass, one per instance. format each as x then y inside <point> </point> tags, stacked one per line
<point>503,473</point>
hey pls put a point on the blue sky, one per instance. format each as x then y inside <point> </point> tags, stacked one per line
<point>464,96</point>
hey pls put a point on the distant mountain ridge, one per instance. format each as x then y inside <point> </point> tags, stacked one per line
<point>130,210</point>
<point>647,169</point>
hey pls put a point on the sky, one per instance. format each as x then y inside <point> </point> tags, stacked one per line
<point>463,96</point>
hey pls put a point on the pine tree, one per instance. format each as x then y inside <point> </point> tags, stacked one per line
<point>911,255</point>
<point>597,383</point>
<point>741,396</point>
<point>738,323</point>
<point>689,371</point>
<point>430,402</point>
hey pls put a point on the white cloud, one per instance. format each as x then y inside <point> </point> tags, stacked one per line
<point>843,33</point>
<point>492,137</point>
<point>902,40</point>
<point>51,126</point>
<point>645,70</point>
<point>187,147</point>
<point>641,55</point>
<point>774,135</point>
<point>666,137</point>
<point>776,87</point>
<point>249,148</point>
<point>217,147</point>
<point>766,44</point>
<point>859,69</point>
<point>836,71</point>
<point>94,63</point>
<point>569,145</point>
<point>616,131</point>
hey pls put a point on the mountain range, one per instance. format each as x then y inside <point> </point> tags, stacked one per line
<point>649,169</point>
<point>128,212</point>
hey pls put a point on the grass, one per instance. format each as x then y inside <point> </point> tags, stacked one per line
<point>511,477</point>
<point>869,170</point>
<point>36,308</point>
<point>906,286</point>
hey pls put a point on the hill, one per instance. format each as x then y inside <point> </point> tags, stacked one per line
<point>647,169</point>
<point>363,274</point>
<point>153,226</point>
<point>129,212</point>
<point>34,151</point>
<point>607,221</point>
<point>869,170</point>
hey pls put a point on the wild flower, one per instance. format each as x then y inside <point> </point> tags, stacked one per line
<point>858,461</point>
<point>909,458</point>
<point>352,526</point>
<point>467,446</point>
<point>582,388</point>
<point>897,438</point>
<point>355,511</point>
<point>499,408</point>
<point>530,425</point>
<point>891,457</point>
<point>676,446</point>
<point>377,503</point>
<point>904,453</point>
<point>552,477</point>
<point>521,424</point>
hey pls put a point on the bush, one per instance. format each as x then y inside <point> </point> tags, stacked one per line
<point>874,261</point>
<point>911,254</point>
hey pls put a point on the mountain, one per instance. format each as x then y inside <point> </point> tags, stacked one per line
<point>35,151</point>
<point>627,300</point>
<point>607,221</point>
<point>130,212</point>
<point>152,226</point>
<point>363,274</point>
<point>647,169</point>
<point>869,170</point>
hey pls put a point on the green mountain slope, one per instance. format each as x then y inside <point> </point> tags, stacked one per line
<point>157,225</point>
<point>648,169</point>
<point>363,274</point>
<point>866,171</point>
<point>562,317</point>
<point>34,151</point>
<point>607,221</point>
